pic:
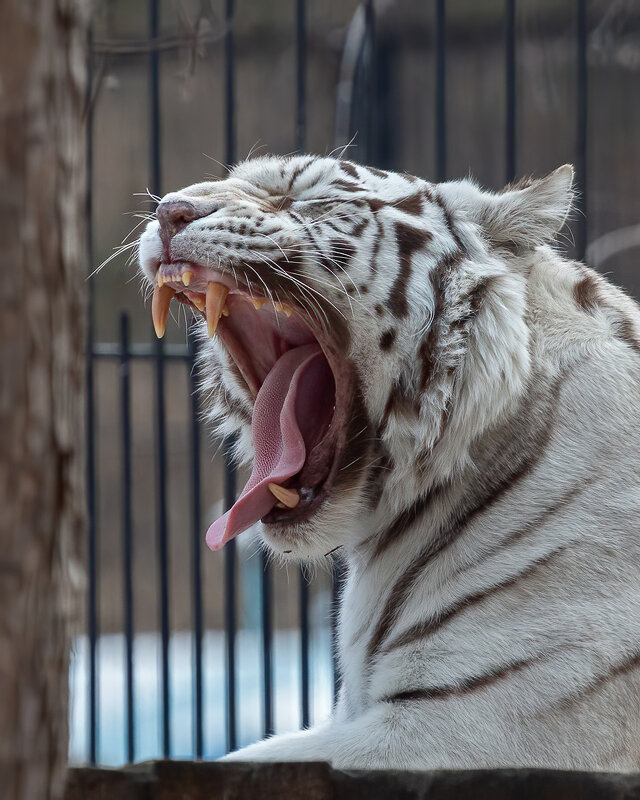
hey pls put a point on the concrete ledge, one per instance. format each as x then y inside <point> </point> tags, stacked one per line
<point>188,780</point>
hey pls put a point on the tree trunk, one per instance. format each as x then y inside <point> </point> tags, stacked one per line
<point>42,334</point>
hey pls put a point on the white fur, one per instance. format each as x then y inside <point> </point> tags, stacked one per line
<point>567,525</point>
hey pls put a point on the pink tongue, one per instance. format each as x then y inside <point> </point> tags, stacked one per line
<point>279,448</point>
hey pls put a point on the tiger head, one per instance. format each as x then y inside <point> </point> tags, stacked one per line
<point>364,329</point>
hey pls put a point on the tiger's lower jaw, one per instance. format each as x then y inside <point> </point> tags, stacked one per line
<point>314,540</point>
<point>297,542</point>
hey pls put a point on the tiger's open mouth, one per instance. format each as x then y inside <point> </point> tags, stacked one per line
<point>299,381</point>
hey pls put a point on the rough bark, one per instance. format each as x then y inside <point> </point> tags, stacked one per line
<point>42,288</point>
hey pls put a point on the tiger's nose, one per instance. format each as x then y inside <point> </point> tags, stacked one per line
<point>175,215</point>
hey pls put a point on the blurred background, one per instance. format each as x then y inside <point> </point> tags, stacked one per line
<point>187,653</point>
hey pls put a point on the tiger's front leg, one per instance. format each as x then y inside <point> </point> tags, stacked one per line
<point>309,745</point>
<point>381,738</point>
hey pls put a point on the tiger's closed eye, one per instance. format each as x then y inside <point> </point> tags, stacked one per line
<point>282,203</point>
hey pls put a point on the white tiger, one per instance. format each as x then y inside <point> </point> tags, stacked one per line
<point>422,381</point>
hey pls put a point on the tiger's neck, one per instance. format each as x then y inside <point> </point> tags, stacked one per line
<point>400,575</point>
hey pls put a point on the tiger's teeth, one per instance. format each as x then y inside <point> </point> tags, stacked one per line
<point>257,304</point>
<point>282,307</point>
<point>215,304</point>
<point>288,497</point>
<point>160,308</point>
<point>160,280</point>
<point>186,277</point>
<point>225,310</point>
<point>197,300</point>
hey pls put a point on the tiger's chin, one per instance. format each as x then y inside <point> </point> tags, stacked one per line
<point>300,383</point>
<point>315,539</point>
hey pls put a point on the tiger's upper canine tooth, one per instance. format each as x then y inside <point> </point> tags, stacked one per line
<point>288,497</point>
<point>160,308</point>
<point>216,298</point>
<point>160,280</point>
<point>186,277</point>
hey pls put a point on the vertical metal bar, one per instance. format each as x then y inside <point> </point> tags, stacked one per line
<point>196,543</point>
<point>229,73</point>
<point>369,81</point>
<point>510,89</point>
<point>154,27</point>
<point>267,686</point>
<point>127,531</point>
<point>230,472</point>
<point>582,120</point>
<point>385,114</point>
<point>301,135</point>
<point>441,85</point>
<point>336,591</point>
<point>301,74</point>
<point>305,715</point>
<point>92,548</point>
<point>163,543</point>
<point>230,602</point>
<point>161,461</point>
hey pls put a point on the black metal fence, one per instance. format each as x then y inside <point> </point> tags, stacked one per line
<point>360,112</point>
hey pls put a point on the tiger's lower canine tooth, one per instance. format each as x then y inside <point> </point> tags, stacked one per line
<point>216,298</point>
<point>283,307</point>
<point>288,497</point>
<point>197,300</point>
<point>160,308</point>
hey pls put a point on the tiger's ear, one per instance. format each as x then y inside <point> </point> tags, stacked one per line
<point>529,213</point>
<point>521,216</point>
